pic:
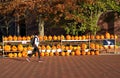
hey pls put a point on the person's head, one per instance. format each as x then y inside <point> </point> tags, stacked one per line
<point>35,33</point>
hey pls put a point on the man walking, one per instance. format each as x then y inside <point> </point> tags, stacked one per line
<point>35,43</point>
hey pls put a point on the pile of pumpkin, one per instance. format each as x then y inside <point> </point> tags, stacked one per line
<point>62,37</point>
<point>58,50</point>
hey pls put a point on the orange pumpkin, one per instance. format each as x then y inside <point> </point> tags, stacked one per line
<point>40,38</point>
<point>97,37</point>
<point>14,54</point>
<point>10,55</point>
<point>48,47</point>
<point>72,38</point>
<point>67,53</point>
<point>45,37</point>
<point>92,45</point>
<point>76,37</point>
<point>7,47</point>
<point>14,48</point>
<point>83,37</point>
<point>46,53</point>
<point>62,37</point>
<point>20,47</point>
<point>92,53</point>
<point>56,53</point>
<point>83,52</point>
<point>97,46</point>
<point>28,38</point>
<point>97,52</point>
<point>19,54</point>
<point>49,37</point>
<point>51,54</point>
<point>42,54</point>
<point>92,37</point>
<point>77,52</point>
<point>72,53</point>
<point>10,38</point>
<point>68,37</point>
<point>24,38</point>
<point>58,37</point>
<point>62,53</point>
<point>102,37</point>
<point>54,37</point>
<point>24,53</point>
<point>107,35</point>
<point>83,46</point>
<point>15,38</point>
<point>5,38</point>
<point>88,53</point>
<point>19,38</point>
<point>80,38</point>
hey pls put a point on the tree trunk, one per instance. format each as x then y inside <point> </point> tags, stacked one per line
<point>41,27</point>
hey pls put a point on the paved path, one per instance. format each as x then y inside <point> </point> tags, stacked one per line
<point>102,66</point>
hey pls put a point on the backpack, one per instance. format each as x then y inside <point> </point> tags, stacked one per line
<point>32,41</point>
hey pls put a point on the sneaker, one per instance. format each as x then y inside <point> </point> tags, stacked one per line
<point>40,61</point>
<point>27,59</point>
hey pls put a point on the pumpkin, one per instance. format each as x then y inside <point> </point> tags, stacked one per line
<point>107,35</point>
<point>53,47</point>
<point>10,38</point>
<point>56,53</point>
<point>92,53</point>
<point>63,47</point>
<point>97,37</point>
<point>5,38</point>
<point>62,53</point>
<point>102,37</point>
<point>83,37</point>
<point>97,46</point>
<point>77,52</point>
<point>24,48</point>
<point>54,37</point>
<point>72,38</point>
<point>28,38</point>
<point>88,53</point>
<point>14,54</point>
<point>111,36</point>
<point>43,47</point>
<point>58,37</point>
<point>68,37</point>
<point>92,45</point>
<point>42,54</point>
<point>76,37</point>
<point>40,38</point>
<point>58,46</point>
<point>92,37</point>
<point>67,53</point>
<point>49,37</point>
<point>97,52</point>
<point>48,47</point>
<point>19,54</point>
<point>70,47</point>
<point>20,47</point>
<point>15,38</point>
<point>62,37</point>
<point>19,38</point>
<point>80,38</point>
<point>72,53</point>
<point>10,55</point>
<point>83,52</point>
<point>78,47</point>
<point>29,48</point>
<point>66,47</point>
<point>83,46</point>
<point>7,47</point>
<point>46,53</point>
<point>24,38</point>
<point>45,37</point>
<point>24,53</point>
<point>115,36</point>
<point>14,48</point>
<point>51,54</point>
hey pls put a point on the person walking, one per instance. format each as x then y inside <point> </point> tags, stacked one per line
<point>34,43</point>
